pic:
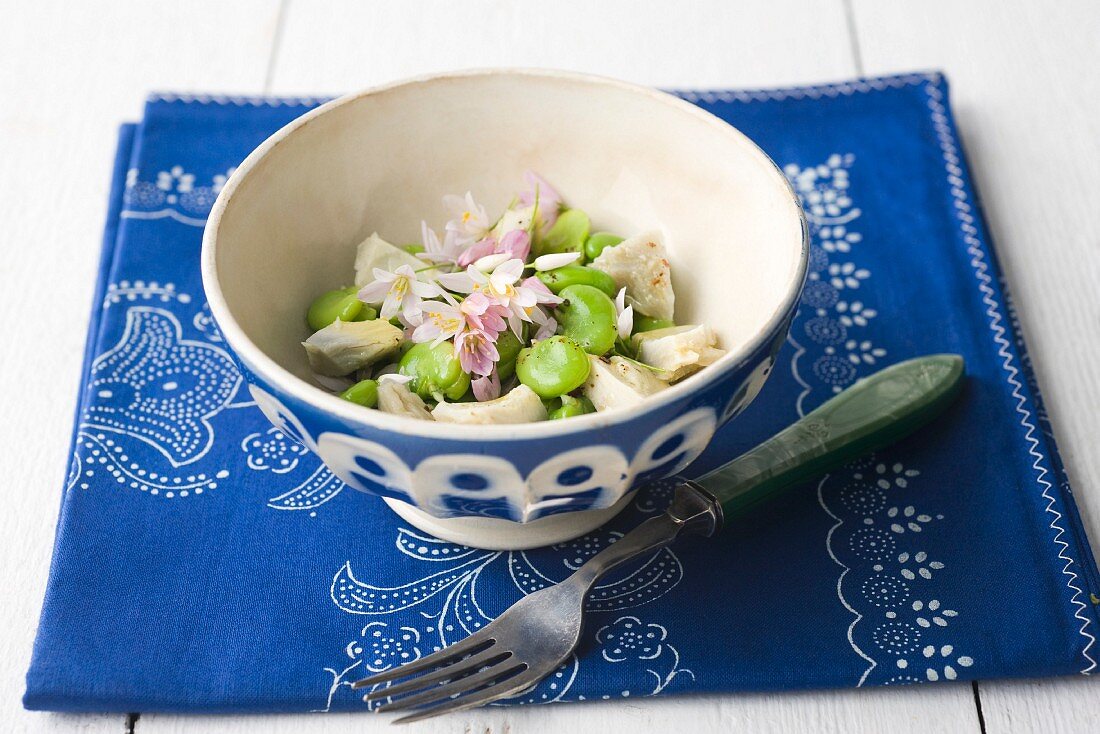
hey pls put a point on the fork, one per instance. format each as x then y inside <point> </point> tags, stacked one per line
<point>536,635</point>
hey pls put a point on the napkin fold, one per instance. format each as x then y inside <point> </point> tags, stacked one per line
<point>205,562</point>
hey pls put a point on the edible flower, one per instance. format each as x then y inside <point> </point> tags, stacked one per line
<point>477,351</point>
<point>516,244</point>
<point>534,288</point>
<point>400,293</point>
<point>447,320</point>
<point>499,285</point>
<point>555,260</point>
<point>624,321</point>
<point>487,387</point>
<point>488,263</point>
<point>470,222</point>
<point>473,253</point>
<point>546,330</point>
<point>538,190</point>
<point>447,251</point>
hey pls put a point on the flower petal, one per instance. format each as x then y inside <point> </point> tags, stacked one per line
<point>486,388</point>
<point>458,282</point>
<point>547,330</point>
<point>510,269</point>
<point>489,262</point>
<point>390,306</point>
<point>374,291</point>
<point>625,322</point>
<point>555,260</point>
<point>424,290</point>
<point>476,251</point>
<point>516,243</point>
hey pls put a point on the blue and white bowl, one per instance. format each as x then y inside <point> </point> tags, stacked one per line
<point>287,223</point>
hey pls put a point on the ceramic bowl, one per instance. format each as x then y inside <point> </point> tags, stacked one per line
<point>287,223</point>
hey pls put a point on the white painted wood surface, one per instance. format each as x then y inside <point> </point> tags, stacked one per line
<point>1024,87</point>
<point>1027,98</point>
<point>69,74</point>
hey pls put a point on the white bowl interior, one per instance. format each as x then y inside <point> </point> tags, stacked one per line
<point>631,158</point>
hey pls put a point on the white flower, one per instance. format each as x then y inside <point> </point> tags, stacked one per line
<point>397,377</point>
<point>499,285</point>
<point>490,262</point>
<point>555,260</point>
<point>470,223</point>
<point>399,292</point>
<point>447,251</point>
<point>625,320</point>
<point>442,321</point>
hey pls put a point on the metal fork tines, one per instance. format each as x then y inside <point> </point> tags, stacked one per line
<point>493,663</point>
<point>533,637</point>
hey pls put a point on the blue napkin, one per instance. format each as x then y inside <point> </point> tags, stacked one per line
<point>205,562</point>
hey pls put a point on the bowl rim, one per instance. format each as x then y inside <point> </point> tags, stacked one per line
<point>278,376</point>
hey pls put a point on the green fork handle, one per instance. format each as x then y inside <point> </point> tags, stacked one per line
<point>870,415</point>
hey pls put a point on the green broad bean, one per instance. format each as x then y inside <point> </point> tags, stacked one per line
<point>553,367</point>
<point>567,235</point>
<point>343,304</point>
<point>413,248</point>
<point>435,371</point>
<point>508,347</point>
<point>571,406</point>
<point>597,242</point>
<point>587,316</point>
<point>364,392</point>
<point>568,275</point>
<point>648,323</point>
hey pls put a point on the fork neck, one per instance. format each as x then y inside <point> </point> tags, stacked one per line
<point>693,510</point>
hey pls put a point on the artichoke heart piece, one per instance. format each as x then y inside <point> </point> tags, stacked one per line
<point>375,252</point>
<point>343,347</point>
<point>396,398</point>
<point>619,383</point>
<point>678,351</point>
<point>520,405</point>
<point>640,264</point>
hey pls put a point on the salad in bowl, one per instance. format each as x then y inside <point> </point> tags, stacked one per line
<point>528,316</point>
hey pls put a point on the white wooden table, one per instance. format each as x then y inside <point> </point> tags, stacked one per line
<point>1026,92</point>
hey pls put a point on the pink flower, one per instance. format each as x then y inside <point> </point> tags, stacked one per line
<point>547,328</point>
<point>516,243</point>
<point>477,351</point>
<point>476,251</point>
<point>484,313</point>
<point>447,320</point>
<point>487,387</point>
<point>549,200</point>
<point>399,292</point>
